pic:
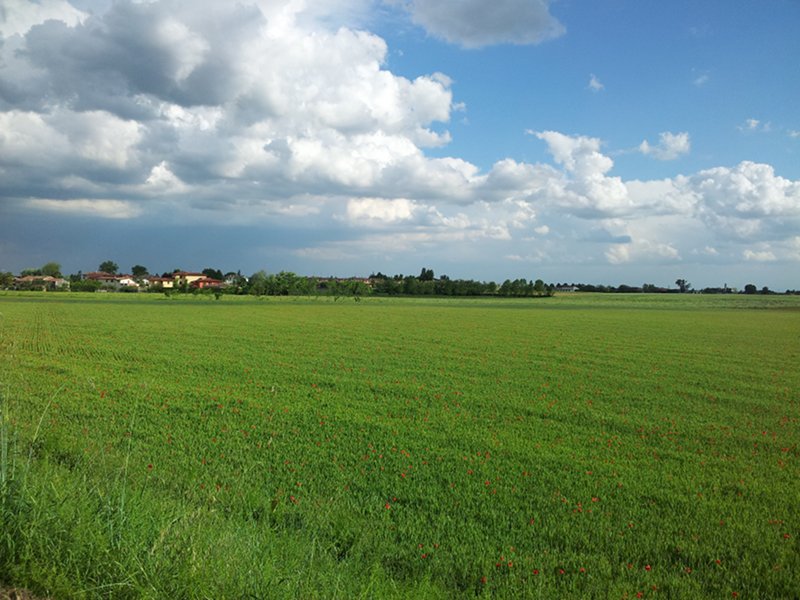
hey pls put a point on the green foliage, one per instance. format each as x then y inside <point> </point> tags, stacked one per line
<point>108,266</point>
<point>51,269</point>
<point>139,271</point>
<point>85,285</point>
<point>213,274</point>
<point>403,448</point>
<point>284,283</point>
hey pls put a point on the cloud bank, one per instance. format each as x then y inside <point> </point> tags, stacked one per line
<point>264,112</point>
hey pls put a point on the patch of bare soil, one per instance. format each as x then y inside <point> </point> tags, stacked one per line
<point>17,594</point>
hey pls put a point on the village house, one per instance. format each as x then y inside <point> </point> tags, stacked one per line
<point>112,281</point>
<point>182,278</point>
<point>166,283</point>
<point>40,282</point>
<point>206,283</point>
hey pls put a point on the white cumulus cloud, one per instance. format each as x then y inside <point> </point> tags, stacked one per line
<point>670,146</point>
<point>759,255</point>
<point>379,209</point>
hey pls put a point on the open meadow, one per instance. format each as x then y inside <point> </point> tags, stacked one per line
<point>603,446</point>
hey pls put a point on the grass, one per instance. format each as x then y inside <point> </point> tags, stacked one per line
<point>579,446</point>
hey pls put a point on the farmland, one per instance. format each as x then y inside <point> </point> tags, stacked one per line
<point>578,446</point>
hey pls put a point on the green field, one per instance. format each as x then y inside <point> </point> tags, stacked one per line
<point>602,446</point>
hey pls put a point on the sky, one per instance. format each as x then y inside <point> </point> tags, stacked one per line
<point>616,142</point>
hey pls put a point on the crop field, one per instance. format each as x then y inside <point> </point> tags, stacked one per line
<point>581,446</point>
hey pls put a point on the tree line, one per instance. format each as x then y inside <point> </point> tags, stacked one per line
<point>286,283</point>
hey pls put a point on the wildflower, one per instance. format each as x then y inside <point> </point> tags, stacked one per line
<point>388,506</point>
<point>647,567</point>
<point>536,571</point>
<point>150,468</point>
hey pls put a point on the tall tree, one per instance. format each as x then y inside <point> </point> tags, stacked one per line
<point>139,271</point>
<point>213,273</point>
<point>426,274</point>
<point>108,266</point>
<point>258,283</point>
<point>53,269</point>
<point>683,285</point>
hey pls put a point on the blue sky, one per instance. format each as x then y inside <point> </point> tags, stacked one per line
<point>605,142</point>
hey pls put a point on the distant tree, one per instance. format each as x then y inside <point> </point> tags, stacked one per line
<point>766,290</point>
<point>237,283</point>
<point>426,274</point>
<point>139,271</point>
<point>27,272</point>
<point>683,285</point>
<point>411,285</point>
<point>213,274</point>
<point>750,289</point>
<point>6,279</point>
<point>539,287</point>
<point>51,269</point>
<point>108,266</point>
<point>258,283</point>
